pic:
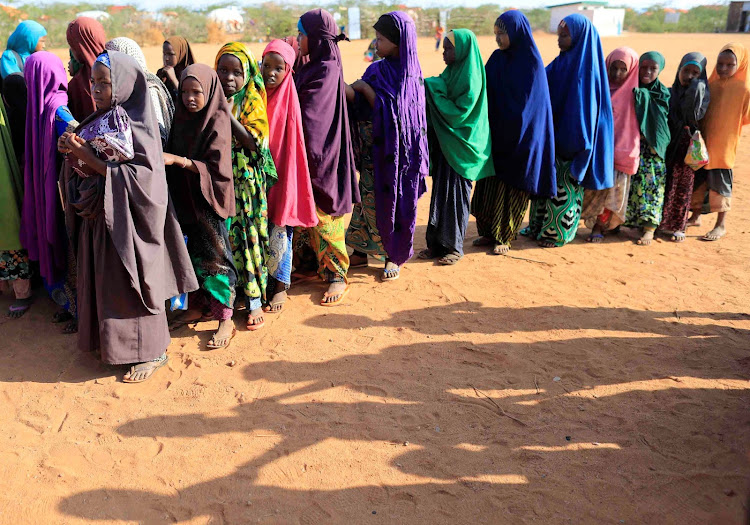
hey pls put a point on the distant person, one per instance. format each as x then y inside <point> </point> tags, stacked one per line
<point>584,139</point>
<point>371,54</point>
<point>393,159</point>
<point>605,210</point>
<point>688,103</point>
<point>86,39</point>
<point>176,56</point>
<point>439,31</point>
<point>646,199</point>
<point>722,126</point>
<point>459,140</point>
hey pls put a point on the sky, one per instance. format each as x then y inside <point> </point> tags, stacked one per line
<point>683,4</point>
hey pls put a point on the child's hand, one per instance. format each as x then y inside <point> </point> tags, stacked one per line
<point>61,143</point>
<point>76,144</point>
<point>168,159</point>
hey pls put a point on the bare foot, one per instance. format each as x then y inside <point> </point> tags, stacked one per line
<point>223,336</point>
<point>335,293</point>
<point>717,233</point>
<point>255,320</point>
<point>500,249</point>
<point>646,238</point>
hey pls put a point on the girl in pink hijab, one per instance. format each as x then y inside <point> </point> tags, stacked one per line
<point>604,210</point>
<point>290,200</point>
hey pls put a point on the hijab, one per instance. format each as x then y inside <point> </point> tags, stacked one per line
<point>42,230</point>
<point>160,96</point>
<point>86,39</point>
<point>138,215</point>
<point>290,200</point>
<point>299,60</point>
<point>457,109</point>
<point>325,120</point>
<point>728,112</point>
<point>627,129</point>
<point>581,106</point>
<point>183,53</point>
<point>687,104</point>
<point>21,43</point>
<point>205,138</point>
<point>652,108</point>
<point>399,132</point>
<point>520,114</point>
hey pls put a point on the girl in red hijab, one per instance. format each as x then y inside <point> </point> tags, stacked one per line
<point>86,39</point>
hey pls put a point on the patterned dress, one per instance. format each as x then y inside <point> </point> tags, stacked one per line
<point>647,190</point>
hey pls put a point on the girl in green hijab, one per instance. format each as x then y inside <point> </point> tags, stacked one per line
<point>459,139</point>
<point>647,185</point>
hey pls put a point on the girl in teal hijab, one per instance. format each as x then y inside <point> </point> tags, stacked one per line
<point>459,139</point>
<point>28,37</point>
<point>646,198</point>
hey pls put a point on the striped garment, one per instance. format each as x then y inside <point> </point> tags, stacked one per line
<point>499,209</point>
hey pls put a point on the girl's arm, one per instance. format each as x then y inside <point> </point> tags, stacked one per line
<point>350,94</point>
<point>182,162</point>
<point>362,87</point>
<point>80,148</point>
<point>243,136</point>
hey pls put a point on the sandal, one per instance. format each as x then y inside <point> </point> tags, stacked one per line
<point>275,305</point>
<point>252,324</point>
<point>449,259</point>
<point>179,321</point>
<point>500,249</point>
<point>482,241</point>
<point>392,273</point>
<point>678,237</point>
<point>595,238</point>
<point>17,309</point>
<point>214,346</point>
<point>426,254</point>
<point>143,371</point>
<point>336,302</point>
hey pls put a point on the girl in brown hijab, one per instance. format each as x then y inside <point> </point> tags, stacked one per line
<point>131,256</point>
<point>86,39</point>
<point>176,56</point>
<point>202,185</point>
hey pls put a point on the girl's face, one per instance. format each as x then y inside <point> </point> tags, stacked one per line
<point>302,41</point>
<point>231,74</point>
<point>564,40</point>
<point>688,73</point>
<point>101,86</point>
<point>617,72</point>
<point>169,57</point>
<point>648,72</point>
<point>41,44</point>
<point>502,39</point>
<point>449,52</point>
<point>274,70</point>
<point>384,47</point>
<point>192,95</point>
<point>726,64</point>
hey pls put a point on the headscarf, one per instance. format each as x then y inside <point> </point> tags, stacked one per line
<point>134,197</point>
<point>183,53</point>
<point>11,189</point>
<point>42,229</point>
<point>581,106</point>
<point>249,105</point>
<point>86,39</point>
<point>387,26</point>
<point>160,97</point>
<point>322,98</point>
<point>520,114</point>
<point>290,200</point>
<point>627,129</point>
<point>457,110</point>
<point>299,60</point>
<point>22,41</point>
<point>399,132</point>
<point>687,104</point>
<point>205,138</point>
<point>652,108</point>
<point>728,112</point>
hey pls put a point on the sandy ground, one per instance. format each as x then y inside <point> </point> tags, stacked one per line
<point>587,384</point>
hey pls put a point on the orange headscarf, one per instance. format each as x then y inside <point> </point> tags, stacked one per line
<point>728,111</point>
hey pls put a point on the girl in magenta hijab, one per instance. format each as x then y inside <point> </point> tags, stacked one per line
<point>322,98</point>
<point>393,156</point>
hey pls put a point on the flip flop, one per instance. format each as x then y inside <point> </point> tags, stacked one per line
<point>337,301</point>
<point>255,326</point>
<point>391,274</point>
<point>209,346</point>
<point>178,323</point>
<point>678,237</point>
<point>500,249</point>
<point>426,254</point>
<point>16,311</point>
<point>151,366</point>
<point>593,236</point>
<point>271,308</point>
<point>450,259</point>
<point>482,241</point>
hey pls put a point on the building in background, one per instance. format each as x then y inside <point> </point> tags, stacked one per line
<point>608,21</point>
<point>738,19</point>
<point>229,19</point>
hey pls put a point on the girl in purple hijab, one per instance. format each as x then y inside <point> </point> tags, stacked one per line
<point>322,97</point>
<point>389,103</point>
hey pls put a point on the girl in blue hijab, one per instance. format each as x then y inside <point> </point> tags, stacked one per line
<point>584,136</point>
<point>28,37</point>
<point>522,130</point>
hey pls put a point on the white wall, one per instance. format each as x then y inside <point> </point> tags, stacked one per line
<point>609,22</point>
<point>558,13</point>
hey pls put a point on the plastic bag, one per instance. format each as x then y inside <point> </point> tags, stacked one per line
<point>697,153</point>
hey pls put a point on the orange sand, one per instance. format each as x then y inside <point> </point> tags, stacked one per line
<point>431,399</point>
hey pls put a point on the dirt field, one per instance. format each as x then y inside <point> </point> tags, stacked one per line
<point>587,384</point>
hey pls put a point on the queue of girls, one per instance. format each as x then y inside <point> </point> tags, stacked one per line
<point>125,190</point>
